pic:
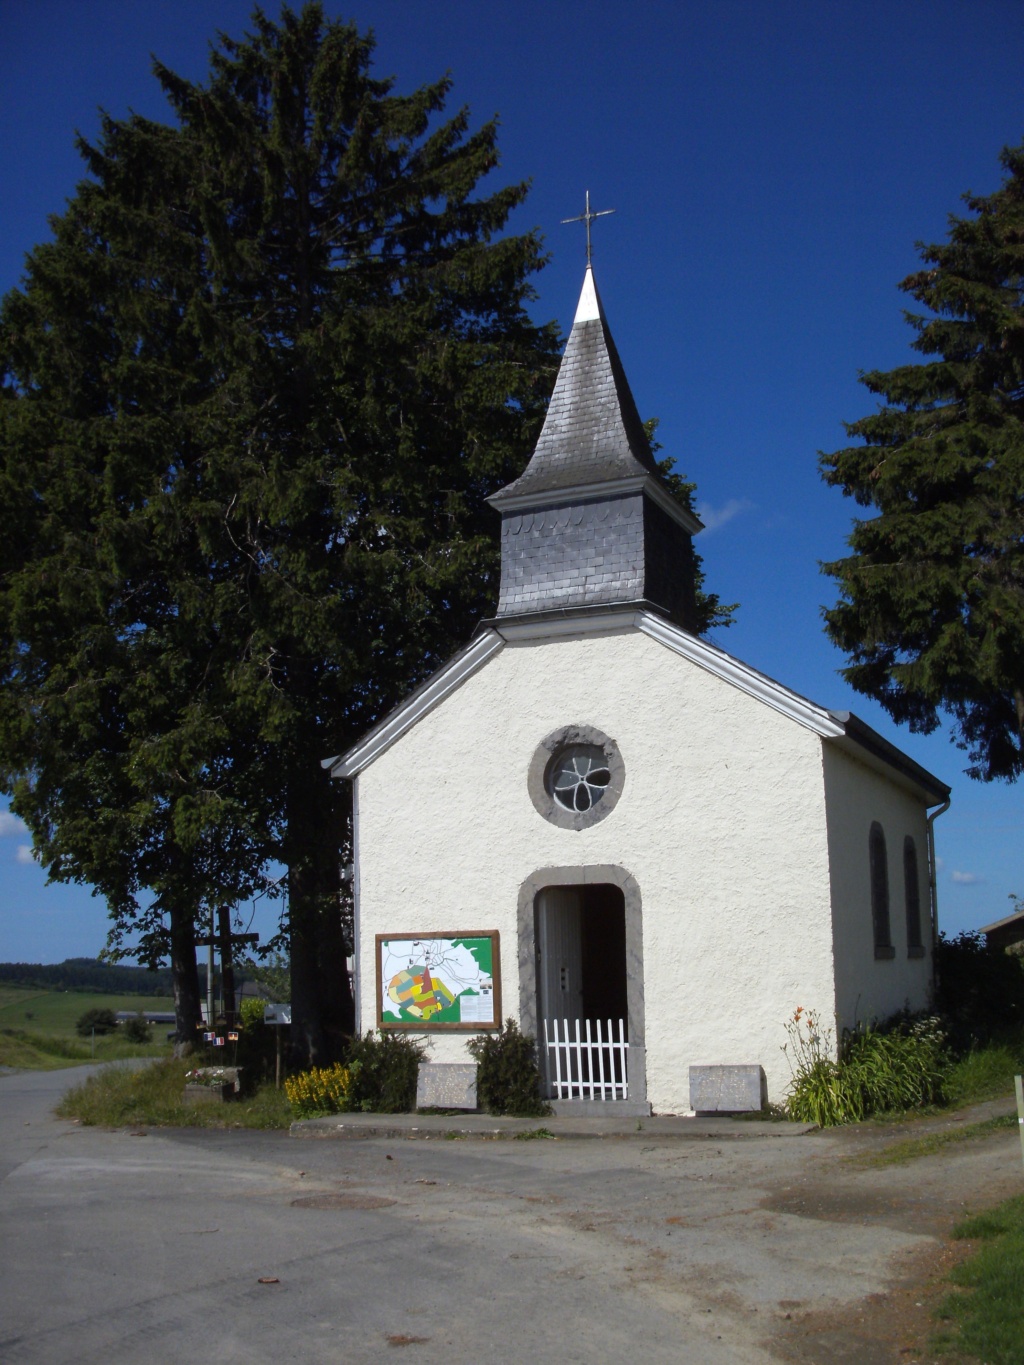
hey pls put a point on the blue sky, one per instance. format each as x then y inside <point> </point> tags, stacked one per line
<point>771,164</point>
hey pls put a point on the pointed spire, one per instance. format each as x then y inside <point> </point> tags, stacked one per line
<point>589,307</point>
<point>592,432</point>
<point>589,522</point>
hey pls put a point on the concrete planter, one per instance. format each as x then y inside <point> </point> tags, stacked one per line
<point>209,1094</point>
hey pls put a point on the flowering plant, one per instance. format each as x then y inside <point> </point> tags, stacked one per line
<point>822,1090</point>
<point>211,1076</point>
<point>323,1090</point>
<point>885,1068</point>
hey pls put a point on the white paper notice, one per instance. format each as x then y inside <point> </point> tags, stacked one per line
<point>477,1009</point>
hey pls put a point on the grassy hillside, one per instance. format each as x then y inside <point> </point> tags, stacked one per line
<point>37,1028</point>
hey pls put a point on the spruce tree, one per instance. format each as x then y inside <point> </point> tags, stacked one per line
<point>255,392</point>
<point>932,608</point>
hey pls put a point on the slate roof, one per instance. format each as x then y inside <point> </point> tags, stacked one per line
<point>592,433</point>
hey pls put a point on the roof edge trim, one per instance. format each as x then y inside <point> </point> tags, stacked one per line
<point>1016,918</point>
<point>860,736</point>
<point>416,706</point>
<point>599,492</point>
<point>748,680</point>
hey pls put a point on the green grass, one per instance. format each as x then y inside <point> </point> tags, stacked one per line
<point>984,1316</point>
<point>37,1028</point>
<point>57,1012</point>
<point>153,1097</point>
<point>896,1153</point>
<point>985,1074</point>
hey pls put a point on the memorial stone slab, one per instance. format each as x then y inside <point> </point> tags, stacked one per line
<point>726,1089</point>
<point>446,1085</point>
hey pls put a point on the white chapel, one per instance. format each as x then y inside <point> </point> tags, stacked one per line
<point>598,823</point>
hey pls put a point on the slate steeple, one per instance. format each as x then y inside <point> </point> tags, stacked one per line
<point>590,521</point>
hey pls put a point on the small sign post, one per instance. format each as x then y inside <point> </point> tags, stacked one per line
<point>279,1017</point>
<point>1019,1084</point>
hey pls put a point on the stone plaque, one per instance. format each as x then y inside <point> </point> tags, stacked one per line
<point>726,1089</point>
<point>446,1085</point>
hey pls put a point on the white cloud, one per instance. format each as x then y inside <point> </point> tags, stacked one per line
<point>24,854</point>
<point>966,878</point>
<point>940,864</point>
<point>714,517</point>
<point>10,824</point>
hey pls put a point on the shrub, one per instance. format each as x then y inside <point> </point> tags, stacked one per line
<point>980,991</point>
<point>96,1021</point>
<point>325,1090</point>
<point>874,1070</point>
<point>256,1044</point>
<point>137,1030</point>
<point>251,1013</point>
<point>384,1069</point>
<point>507,1077</point>
<point>899,1067</point>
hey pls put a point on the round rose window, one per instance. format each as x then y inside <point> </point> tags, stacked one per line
<point>576,776</point>
<point>579,776</point>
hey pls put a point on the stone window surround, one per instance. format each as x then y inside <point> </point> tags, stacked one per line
<point>594,875</point>
<point>537,777</point>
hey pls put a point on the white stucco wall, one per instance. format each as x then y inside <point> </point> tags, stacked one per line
<point>867,988</point>
<point>721,822</point>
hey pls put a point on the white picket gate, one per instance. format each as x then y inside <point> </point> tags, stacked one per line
<point>585,1067</point>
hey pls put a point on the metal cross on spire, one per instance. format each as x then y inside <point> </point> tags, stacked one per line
<point>588,218</point>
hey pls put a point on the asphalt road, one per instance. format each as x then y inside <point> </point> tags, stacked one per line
<point>238,1246</point>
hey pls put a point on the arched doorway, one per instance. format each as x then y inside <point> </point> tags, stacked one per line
<point>581,953</point>
<point>581,983</point>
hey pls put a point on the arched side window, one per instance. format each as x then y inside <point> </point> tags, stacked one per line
<point>912,894</point>
<point>880,892</point>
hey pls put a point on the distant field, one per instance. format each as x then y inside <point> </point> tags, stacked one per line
<point>58,1011</point>
<point>37,1028</point>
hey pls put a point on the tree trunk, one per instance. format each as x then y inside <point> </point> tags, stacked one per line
<point>188,1014</point>
<point>227,964</point>
<point>323,1013</point>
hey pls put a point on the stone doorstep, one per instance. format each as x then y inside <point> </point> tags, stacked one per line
<point>601,1109</point>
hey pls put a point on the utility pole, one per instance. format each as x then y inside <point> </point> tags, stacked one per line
<point>209,977</point>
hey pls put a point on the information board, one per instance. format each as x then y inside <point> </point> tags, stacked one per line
<point>439,981</point>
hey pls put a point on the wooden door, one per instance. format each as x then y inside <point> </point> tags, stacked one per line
<point>559,961</point>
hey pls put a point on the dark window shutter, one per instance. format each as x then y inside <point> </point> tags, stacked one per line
<point>912,892</point>
<point>879,891</point>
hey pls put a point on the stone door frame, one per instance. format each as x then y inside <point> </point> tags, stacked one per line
<point>594,874</point>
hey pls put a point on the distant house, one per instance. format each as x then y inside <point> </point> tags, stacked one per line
<point>1007,934</point>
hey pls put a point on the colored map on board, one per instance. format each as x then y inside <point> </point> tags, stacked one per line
<point>433,981</point>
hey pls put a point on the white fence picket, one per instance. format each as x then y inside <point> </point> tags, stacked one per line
<point>576,1064</point>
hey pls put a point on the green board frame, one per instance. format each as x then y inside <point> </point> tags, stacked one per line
<point>483,944</point>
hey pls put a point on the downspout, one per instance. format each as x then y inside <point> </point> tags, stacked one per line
<point>356,936</point>
<point>933,889</point>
